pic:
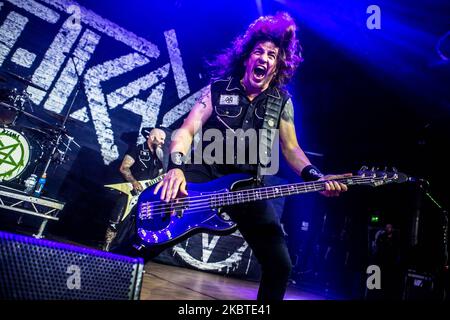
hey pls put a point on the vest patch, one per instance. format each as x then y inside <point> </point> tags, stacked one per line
<point>229,99</point>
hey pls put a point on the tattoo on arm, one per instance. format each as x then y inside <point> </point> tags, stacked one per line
<point>125,168</point>
<point>203,97</point>
<point>288,112</point>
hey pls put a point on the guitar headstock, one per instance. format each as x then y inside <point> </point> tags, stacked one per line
<point>375,177</point>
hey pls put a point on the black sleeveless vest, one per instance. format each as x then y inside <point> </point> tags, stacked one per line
<point>238,120</point>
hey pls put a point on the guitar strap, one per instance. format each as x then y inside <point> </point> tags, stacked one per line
<point>269,134</point>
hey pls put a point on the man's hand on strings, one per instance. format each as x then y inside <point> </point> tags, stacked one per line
<point>334,188</point>
<point>173,185</point>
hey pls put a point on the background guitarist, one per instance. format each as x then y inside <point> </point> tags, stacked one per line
<point>258,66</point>
<point>141,162</point>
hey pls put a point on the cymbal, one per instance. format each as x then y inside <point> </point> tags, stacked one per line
<point>9,106</point>
<point>60,117</point>
<point>36,130</point>
<point>40,121</point>
<point>29,115</point>
<point>24,80</point>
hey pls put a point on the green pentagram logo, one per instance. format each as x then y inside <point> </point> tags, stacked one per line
<point>13,154</point>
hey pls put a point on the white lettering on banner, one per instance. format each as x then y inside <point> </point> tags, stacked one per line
<point>208,246</point>
<point>132,89</point>
<point>109,28</point>
<point>10,31</point>
<point>97,102</point>
<point>68,78</point>
<point>232,262</point>
<point>79,35</point>
<point>54,58</point>
<point>37,10</point>
<point>147,109</point>
<point>80,115</point>
<point>23,58</point>
<point>177,63</point>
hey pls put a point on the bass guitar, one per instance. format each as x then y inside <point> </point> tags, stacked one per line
<point>204,209</point>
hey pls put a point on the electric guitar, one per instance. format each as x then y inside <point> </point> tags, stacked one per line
<point>204,209</point>
<point>133,195</point>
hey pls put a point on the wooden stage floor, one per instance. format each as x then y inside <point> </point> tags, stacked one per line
<point>165,282</point>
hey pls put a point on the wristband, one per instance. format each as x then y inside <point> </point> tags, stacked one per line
<point>311,173</point>
<point>176,161</point>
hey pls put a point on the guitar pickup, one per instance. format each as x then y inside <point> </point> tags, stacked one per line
<point>180,213</point>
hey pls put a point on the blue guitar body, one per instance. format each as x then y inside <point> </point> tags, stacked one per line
<point>158,224</point>
<point>204,209</point>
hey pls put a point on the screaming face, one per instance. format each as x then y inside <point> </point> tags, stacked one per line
<point>260,67</point>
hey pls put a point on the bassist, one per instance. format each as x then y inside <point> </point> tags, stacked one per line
<point>255,69</point>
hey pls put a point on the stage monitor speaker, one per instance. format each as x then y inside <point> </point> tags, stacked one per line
<point>36,269</point>
<point>418,286</point>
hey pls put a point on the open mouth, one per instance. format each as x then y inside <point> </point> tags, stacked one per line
<point>259,72</point>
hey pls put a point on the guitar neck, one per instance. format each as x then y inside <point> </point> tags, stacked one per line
<point>155,180</point>
<point>272,192</point>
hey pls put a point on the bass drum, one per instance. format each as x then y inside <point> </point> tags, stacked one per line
<point>18,154</point>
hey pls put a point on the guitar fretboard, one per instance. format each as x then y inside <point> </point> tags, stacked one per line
<point>249,195</point>
<point>155,180</point>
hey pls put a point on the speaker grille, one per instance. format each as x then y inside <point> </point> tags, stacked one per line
<point>32,269</point>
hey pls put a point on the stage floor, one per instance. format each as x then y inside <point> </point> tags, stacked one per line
<point>165,282</point>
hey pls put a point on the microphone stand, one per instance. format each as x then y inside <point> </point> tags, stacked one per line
<point>62,126</point>
<point>424,185</point>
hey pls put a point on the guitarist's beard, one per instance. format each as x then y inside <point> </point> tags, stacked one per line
<point>159,153</point>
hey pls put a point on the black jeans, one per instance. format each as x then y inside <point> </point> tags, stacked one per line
<point>118,210</point>
<point>260,226</point>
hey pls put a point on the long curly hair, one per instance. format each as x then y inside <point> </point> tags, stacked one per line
<point>280,29</point>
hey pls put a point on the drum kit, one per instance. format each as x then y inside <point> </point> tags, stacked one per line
<point>28,142</point>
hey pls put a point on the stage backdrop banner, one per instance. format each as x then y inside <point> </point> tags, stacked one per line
<point>228,255</point>
<point>114,75</point>
<point>133,69</point>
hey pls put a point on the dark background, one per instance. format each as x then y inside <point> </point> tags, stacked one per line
<point>362,97</point>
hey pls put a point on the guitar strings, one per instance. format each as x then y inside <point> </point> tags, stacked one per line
<point>305,185</point>
<point>230,196</point>
<point>234,194</point>
<point>204,202</point>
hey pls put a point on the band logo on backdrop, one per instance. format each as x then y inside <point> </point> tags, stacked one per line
<point>77,33</point>
<point>72,39</point>
<point>224,255</point>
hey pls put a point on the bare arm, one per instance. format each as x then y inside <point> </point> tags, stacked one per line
<point>175,180</point>
<point>197,117</point>
<point>294,155</point>
<point>127,162</point>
